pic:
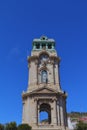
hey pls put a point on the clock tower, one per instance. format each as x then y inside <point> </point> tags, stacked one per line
<point>44,93</point>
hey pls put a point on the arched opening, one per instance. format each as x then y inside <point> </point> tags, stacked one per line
<point>44,76</point>
<point>45,114</point>
<point>43,117</point>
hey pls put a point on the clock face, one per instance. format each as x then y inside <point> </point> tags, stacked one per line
<point>44,57</point>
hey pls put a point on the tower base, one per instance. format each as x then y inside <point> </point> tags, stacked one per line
<point>50,128</point>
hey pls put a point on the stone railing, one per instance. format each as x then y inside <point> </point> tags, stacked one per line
<point>45,126</point>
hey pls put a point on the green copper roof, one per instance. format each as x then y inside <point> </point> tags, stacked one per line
<point>44,39</point>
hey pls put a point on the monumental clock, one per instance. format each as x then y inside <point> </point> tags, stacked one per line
<point>44,93</point>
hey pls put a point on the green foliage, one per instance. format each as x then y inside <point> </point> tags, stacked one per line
<point>11,126</point>
<point>1,127</point>
<point>81,126</point>
<point>24,127</point>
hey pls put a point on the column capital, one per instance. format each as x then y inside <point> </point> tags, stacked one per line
<point>35,99</point>
<point>54,99</point>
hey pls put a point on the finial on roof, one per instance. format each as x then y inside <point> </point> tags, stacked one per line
<point>43,37</point>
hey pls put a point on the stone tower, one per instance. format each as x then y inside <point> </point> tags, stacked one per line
<point>44,92</point>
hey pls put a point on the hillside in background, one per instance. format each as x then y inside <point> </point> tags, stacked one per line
<point>78,116</point>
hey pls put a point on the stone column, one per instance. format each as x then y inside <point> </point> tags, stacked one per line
<point>59,75</point>
<point>51,75</point>
<point>61,112</point>
<point>54,72</point>
<point>40,46</point>
<point>36,65</point>
<point>38,114</point>
<point>52,46</point>
<point>56,69</point>
<point>33,73</point>
<point>65,113</point>
<point>58,113</point>
<point>35,111</point>
<point>29,71</point>
<point>54,113</point>
<point>34,46</point>
<point>23,112</point>
<point>46,46</point>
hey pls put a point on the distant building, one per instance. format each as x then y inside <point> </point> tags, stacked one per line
<point>71,125</point>
<point>83,119</point>
<point>74,119</point>
<point>44,92</point>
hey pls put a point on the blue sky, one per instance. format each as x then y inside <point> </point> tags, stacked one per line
<point>22,21</point>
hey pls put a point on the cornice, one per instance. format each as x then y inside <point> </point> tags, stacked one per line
<point>31,58</point>
<point>34,93</point>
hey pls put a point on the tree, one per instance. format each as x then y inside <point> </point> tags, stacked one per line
<point>81,126</point>
<point>24,127</point>
<point>11,126</point>
<point>1,127</point>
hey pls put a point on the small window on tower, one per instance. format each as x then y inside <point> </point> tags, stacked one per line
<point>49,46</point>
<point>44,76</point>
<point>37,46</point>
